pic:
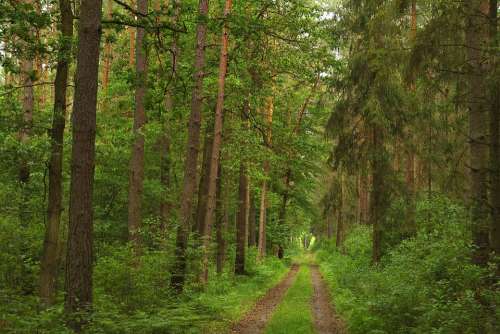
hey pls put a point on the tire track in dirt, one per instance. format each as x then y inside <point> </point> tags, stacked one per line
<point>254,322</point>
<point>325,320</point>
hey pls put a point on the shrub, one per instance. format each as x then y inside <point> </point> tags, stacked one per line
<point>426,284</point>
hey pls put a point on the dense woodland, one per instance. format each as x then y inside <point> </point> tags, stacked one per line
<point>163,163</point>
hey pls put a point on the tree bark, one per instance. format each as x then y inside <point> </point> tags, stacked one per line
<point>80,243</point>
<point>136,168</point>
<point>241,224</point>
<point>50,260</point>
<point>192,148</point>
<point>216,147</point>
<point>221,224</point>
<point>477,12</point>
<point>242,228</point>
<point>411,228</point>
<point>203,185</point>
<point>495,132</point>
<point>261,248</point>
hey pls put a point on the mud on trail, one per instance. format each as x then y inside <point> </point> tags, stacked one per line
<point>256,319</point>
<point>325,319</point>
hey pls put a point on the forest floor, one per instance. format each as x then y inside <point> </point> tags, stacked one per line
<point>299,304</point>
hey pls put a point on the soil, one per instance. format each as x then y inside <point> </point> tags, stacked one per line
<point>325,319</point>
<point>254,322</point>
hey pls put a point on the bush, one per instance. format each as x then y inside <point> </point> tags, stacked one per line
<point>426,284</point>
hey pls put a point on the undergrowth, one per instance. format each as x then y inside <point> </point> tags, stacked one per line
<point>128,299</point>
<point>426,284</point>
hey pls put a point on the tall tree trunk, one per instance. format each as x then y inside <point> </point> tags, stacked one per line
<point>216,146</point>
<point>252,237</point>
<point>79,249</point>
<point>50,260</point>
<point>241,224</point>
<point>476,39</point>
<point>165,163</point>
<point>495,131</point>
<point>221,224</point>
<point>192,148</point>
<point>203,184</point>
<point>261,249</point>
<point>242,228</point>
<point>136,168</point>
<point>410,161</point>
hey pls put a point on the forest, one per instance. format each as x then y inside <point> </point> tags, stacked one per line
<point>258,166</point>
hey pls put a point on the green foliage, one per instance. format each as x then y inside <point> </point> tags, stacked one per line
<point>130,299</point>
<point>423,285</point>
<point>19,253</point>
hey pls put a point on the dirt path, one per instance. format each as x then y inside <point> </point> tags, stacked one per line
<point>325,319</point>
<point>256,319</point>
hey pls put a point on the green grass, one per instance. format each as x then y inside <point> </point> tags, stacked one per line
<point>293,315</point>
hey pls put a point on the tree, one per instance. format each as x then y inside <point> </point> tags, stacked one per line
<point>261,249</point>
<point>192,148</point>
<point>494,130</point>
<point>204,181</point>
<point>222,222</point>
<point>477,40</point>
<point>49,262</point>
<point>410,159</point>
<point>80,239</point>
<point>136,177</point>
<point>242,219</point>
<point>216,146</point>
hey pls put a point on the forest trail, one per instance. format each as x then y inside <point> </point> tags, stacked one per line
<point>324,320</point>
<point>256,319</point>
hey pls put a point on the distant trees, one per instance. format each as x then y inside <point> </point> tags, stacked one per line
<point>414,88</point>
